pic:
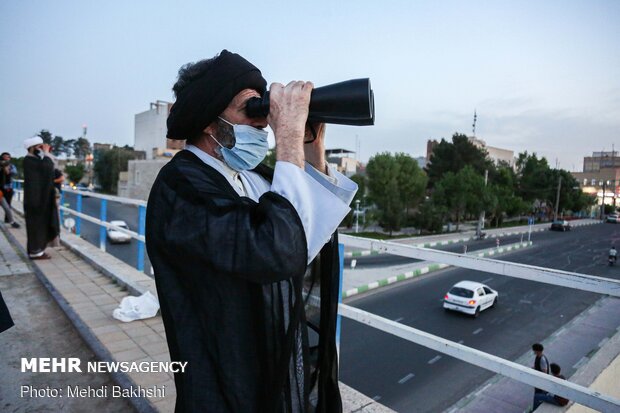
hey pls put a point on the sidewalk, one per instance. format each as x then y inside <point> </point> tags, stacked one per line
<point>587,349</point>
<point>42,330</point>
<point>88,298</point>
<point>88,284</point>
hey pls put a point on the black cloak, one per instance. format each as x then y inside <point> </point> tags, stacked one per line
<point>6,321</point>
<point>231,276</point>
<point>42,221</point>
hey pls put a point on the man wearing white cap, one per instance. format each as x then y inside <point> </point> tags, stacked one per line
<point>42,222</point>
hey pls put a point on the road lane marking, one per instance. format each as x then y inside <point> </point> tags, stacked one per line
<point>461,341</point>
<point>487,280</point>
<point>376,398</point>
<point>406,378</point>
<point>581,362</point>
<point>434,360</point>
<point>482,389</point>
<point>525,302</point>
<point>398,319</point>
<point>477,331</point>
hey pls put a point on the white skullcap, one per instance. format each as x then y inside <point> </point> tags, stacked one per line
<point>35,140</point>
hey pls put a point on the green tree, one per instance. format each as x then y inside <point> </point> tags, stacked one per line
<point>382,172</point>
<point>571,197</point>
<point>58,146</point>
<point>503,187</point>
<point>463,193</point>
<point>19,164</point>
<point>108,166</point>
<point>411,181</point>
<point>46,136</point>
<point>68,147</point>
<point>430,216</point>
<point>536,182</point>
<point>454,156</point>
<point>75,173</point>
<point>81,148</point>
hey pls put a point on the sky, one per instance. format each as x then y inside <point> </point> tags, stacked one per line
<point>543,76</point>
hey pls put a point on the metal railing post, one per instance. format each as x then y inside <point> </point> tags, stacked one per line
<point>339,317</point>
<point>102,229</point>
<point>62,202</point>
<point>78,220</point>
<point>141,230</point>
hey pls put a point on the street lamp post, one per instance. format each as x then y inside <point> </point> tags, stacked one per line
<point>603,200</point>
<point>357,215</point>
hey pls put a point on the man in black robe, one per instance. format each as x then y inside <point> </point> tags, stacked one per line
<point>6,321</point>
<point>245,257</point>
<point>40,209</point>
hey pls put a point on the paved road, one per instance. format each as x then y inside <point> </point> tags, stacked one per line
<point>382,260</point>
<point>407,377</point>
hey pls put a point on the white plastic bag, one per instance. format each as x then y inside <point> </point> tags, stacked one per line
<point>137,308</point>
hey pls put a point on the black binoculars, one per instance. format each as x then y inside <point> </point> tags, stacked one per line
<point>351,102</point>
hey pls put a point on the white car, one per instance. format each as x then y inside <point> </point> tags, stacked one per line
<point>470,297</point>
<point>117,237</point>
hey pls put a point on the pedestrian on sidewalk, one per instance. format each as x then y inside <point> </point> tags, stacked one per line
<point>4,204</point>
<point>9,172</point>
<point>40,209</point>
<point>233,246</point>
<point>550,397</point>
<point>540,364</point>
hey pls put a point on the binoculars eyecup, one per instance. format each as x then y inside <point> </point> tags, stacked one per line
<point>351,102</point>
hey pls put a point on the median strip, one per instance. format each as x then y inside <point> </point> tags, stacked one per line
<point>365,253</point>
<point>425,270</point>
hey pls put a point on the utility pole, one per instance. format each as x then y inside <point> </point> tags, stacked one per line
<point>357,216</point>
<point>603,201</point>
<point>557,199</point>
<point>481,218</point>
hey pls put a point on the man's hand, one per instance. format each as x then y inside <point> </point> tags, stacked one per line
<point>315,151</point>
<point>288,113</point>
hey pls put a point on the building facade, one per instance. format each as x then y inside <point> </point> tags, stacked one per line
<point>342,160</point>
<point>601,177</point>
<point>150,128</point>
<point>497,155</point>
<point>150,137</point>
<point>137,181</point>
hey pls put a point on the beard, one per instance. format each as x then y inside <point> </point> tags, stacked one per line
<point>225,134</point>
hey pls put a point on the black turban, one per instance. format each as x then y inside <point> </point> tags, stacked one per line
<point>201,100</point>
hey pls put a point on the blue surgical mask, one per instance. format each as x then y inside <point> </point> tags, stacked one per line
<point>250,148</point>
